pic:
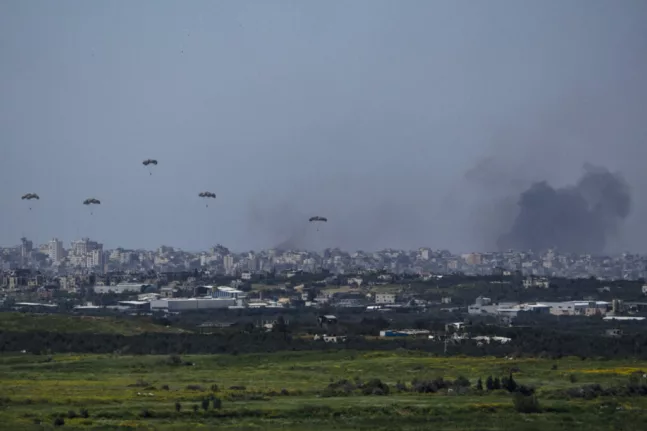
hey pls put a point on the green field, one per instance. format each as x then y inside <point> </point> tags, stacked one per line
<point>63,323</point>
<point>288,391</point>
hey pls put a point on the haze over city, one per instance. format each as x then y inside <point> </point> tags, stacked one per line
<point>405,124</point>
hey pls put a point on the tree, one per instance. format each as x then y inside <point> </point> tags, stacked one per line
<point>312,294</point>
<point>178,406</point>
<point>479,385</point>
<point>281,326</point>
<point>489,383</point>
<point>510,385</point>
<point>217,404</point>
<point>497,383</point>
<point>195,408</point>
<point>205,404</point>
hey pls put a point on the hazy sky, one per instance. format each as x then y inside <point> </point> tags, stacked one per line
<point>406,123</point>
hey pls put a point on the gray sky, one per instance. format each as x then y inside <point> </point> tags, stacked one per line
<point>369,112</point>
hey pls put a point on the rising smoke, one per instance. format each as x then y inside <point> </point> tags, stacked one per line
<point>577,219</point>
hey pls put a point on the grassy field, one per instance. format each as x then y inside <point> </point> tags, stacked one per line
<point>288,391</point>
<point>29,322</point>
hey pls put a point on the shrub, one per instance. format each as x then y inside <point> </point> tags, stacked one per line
<point>402,387</point>
<point>174,360</point>
<point>340,388</point>
<point>429,386</point>
<point>178,406</point>
<point>587,392</point>
<point>71,414</point>
<point>525,403</point>
<point>462,382</point>
<point>194,388</point>
<point>375,387</point>
<point>139,384</point>
<point>205,404</point>
<point>525,390</point>
<point>59,422</point>
<point>84,413</point>
<point>166,388</point>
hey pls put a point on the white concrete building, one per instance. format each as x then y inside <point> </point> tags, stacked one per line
<point>385,298</point>
<point>228,292</point>
<point>55,250</point>
<point>120,288</point>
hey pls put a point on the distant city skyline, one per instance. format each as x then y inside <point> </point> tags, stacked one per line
<point>88,256</point>
<point>71,243</point>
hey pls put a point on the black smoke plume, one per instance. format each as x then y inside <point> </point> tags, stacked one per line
<point>573,219</point>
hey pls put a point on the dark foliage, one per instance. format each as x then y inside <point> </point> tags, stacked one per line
<point>525,403</point>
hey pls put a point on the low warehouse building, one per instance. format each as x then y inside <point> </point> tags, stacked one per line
<point>189,304</point>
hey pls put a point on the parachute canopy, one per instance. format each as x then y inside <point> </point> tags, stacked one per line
<point>30,196</point>
<point>207,195</point>
<point>318,218</point>
<point>91,201</point>
<point>149,162</point>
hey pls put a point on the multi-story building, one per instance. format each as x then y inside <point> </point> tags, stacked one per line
<point>55,251</point>
<point>83,246</point>
<point>472,258</point>
<point>424,253</point>
<point>26,247</point>
<point>228,262</point>
<point>96,259</point>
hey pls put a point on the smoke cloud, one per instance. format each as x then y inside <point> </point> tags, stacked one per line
<point>576,219</point>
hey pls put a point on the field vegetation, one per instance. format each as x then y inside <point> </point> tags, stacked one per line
<point>65,323</point>
<point>320,390</point>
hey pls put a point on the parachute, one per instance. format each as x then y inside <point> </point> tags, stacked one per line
<point>148,163</point>
<point>207,195</point>
<point>318,218</point>
<point>30,196</point>
<point>91,201</point>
